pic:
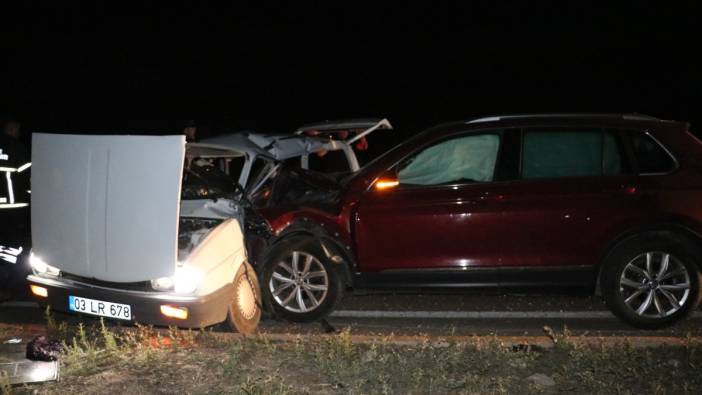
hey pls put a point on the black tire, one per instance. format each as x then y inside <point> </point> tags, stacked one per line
<point>643,288</point>
<point>283,252</point>
<point>244,312</point>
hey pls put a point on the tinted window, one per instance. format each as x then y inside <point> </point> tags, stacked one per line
<point>464,159</point>
<point>650,156</point>
<point>613,156</point>
<point>571,153</point>
<point>509,157</point>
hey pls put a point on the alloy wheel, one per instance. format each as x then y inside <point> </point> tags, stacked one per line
<point>299,282</point>
<point>655,284</point>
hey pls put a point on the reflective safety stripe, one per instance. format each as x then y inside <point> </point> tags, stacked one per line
<point>24,167</point>
<point>14,205</point>
<point>10,191</point>
<point>18,170</point>
<point>10,254</point>
<point>9,201</point>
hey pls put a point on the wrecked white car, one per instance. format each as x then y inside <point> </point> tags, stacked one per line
<point>119,231</point>
<point>145,229</point>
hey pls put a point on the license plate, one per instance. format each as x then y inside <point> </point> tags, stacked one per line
<point>100,308</point>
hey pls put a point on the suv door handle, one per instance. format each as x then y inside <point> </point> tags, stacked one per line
<point>482,200</point>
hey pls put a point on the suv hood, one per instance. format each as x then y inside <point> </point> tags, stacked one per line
<point>107,207</point>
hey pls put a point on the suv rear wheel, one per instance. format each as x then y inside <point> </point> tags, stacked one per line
<point>652,282</point>
<point>299,281</point>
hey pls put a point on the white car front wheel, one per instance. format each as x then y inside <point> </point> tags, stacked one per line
<point>244,312</point>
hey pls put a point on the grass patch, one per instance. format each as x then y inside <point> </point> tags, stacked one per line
<point>5,387</point>
<point>102,359</point>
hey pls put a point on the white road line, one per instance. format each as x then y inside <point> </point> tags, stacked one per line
<point>469,314</point>
<point>476,314</point>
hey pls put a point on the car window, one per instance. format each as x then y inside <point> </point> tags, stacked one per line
<point>650,156</point>
<point>328,162</point>
<point>259,167</point>
<point>613,157</point>
<point>233,166</point>
<point>464,159</point>
<point>260,191</point>
<point>571,153</point>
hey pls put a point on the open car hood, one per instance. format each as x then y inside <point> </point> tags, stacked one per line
<point>107,207</point>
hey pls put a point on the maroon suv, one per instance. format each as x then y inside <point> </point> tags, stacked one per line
<point>609,202</point>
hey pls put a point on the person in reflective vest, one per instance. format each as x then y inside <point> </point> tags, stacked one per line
<point>15,231</point>
<point>14,168</point>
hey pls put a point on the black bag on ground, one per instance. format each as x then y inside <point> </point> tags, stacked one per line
<point>42,348</point>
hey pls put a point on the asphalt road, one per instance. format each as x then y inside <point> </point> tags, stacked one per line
<point>436,314</point>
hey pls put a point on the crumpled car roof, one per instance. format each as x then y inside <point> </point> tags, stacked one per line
<point>278,147</point>
<point>285,146</point>
<point>235,143</point>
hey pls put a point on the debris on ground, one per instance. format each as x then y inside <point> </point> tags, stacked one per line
<point>541,380</point>
<point>42,348</point>
<point>16,369</point>
<point>27,372</point>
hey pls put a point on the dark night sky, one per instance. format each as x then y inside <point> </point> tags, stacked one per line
<point>273,67</point>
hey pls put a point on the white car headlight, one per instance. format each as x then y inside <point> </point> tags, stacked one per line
<point>40,267</point>
<point>185,280</point>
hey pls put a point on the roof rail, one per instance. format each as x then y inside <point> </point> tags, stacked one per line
<point>627,116</point>
<point>640,117</point>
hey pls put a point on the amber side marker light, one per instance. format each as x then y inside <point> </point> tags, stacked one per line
<point>180,313</point>
<point>39,291</point>
<point>386,184</point>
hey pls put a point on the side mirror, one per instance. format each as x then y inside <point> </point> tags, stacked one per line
<point>387,180</point>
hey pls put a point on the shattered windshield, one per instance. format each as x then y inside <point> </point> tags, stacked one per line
<point>289,184</point>
<point>203,180</point>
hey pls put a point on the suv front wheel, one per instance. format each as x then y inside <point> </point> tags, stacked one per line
<point>652,282</point>
<point>300,282</point>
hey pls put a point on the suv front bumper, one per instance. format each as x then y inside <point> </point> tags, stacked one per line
<point>203,310</point>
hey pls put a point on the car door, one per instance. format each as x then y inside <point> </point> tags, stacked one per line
<point>441,216</point>
<point>562,207</point>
